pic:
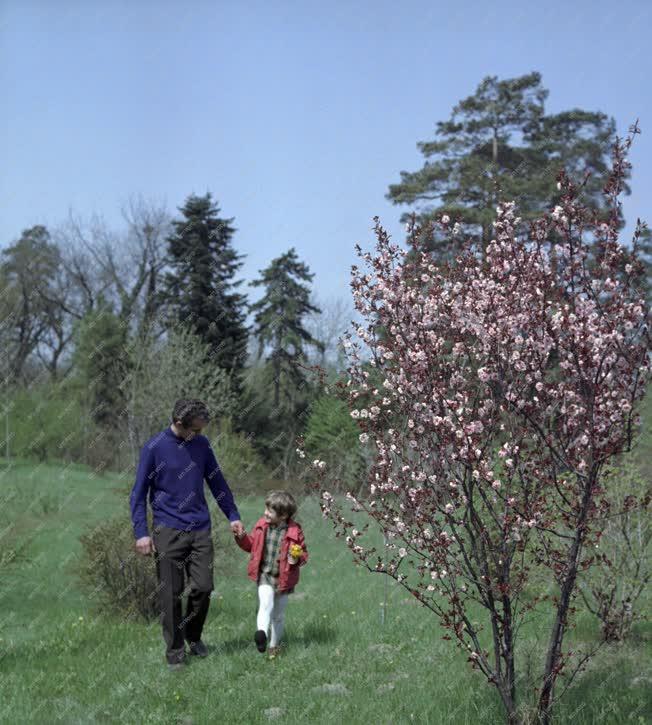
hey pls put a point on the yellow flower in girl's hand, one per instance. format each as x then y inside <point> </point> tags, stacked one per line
<point>296,551</point>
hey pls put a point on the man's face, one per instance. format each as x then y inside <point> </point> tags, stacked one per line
<point>192,430</point>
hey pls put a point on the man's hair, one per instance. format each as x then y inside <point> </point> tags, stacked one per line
<point>187,409</point>
<point>282,503</point>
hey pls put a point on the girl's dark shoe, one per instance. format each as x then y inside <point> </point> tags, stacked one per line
<point>260,638</point>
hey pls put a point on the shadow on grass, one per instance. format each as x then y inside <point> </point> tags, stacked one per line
<point>309,635</point>
<point>231,646</point>
<point>615,684</point>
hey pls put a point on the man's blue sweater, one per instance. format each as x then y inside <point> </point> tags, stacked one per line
<point>173,471</point>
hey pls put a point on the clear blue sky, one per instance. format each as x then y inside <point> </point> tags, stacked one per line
<point>295,115</point>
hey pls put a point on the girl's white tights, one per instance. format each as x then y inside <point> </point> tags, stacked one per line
<point>271,610</point>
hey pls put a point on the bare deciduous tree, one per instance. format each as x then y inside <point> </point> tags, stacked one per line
<point>123,266</point>
<point>328,326</point>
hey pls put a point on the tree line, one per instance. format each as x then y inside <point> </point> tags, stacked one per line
<point>120,320</point>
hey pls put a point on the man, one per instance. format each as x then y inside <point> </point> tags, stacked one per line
<point>173,466</point>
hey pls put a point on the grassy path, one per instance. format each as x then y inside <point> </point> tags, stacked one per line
<point>60,663</point>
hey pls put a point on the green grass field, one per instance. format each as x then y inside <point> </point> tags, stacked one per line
<point>60,663</point>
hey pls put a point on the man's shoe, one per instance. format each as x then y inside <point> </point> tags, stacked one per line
<point>260,638</point>
<point>176,666</point>
<point>198,648</point>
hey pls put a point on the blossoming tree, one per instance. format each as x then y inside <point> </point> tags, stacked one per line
<point>500,387</point>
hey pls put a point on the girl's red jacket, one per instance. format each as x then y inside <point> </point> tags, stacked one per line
<point>288,574</point>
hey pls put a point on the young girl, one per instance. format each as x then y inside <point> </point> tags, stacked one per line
<point>276,536</point>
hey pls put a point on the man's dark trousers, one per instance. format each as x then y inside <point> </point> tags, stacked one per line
<point>179,551</point>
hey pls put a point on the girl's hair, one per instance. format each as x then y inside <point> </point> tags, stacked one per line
<point>282,502</point>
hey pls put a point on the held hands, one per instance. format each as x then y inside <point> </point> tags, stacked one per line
<point>145,545</point>
<point>238,529</point>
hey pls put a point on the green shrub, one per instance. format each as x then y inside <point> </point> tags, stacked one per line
<point>238,459</point>
<point>333,436</point>
<point>120,582</point>
<point>115,577</point>
<point>613,587</point>
<point>45,424</point>
<point>162,371</point>
<point>16,519</point>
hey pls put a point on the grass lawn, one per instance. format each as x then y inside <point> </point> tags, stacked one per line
<point>59,662</point>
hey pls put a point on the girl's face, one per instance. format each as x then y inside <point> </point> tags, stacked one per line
<point>272,518</point>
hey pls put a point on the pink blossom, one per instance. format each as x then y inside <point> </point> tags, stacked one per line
<point>519,356</point>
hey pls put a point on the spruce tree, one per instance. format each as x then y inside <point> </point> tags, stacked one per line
<point>200,289</point>
<point>278,322</point>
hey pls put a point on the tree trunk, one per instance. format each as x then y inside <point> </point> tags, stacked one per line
<point>277,381</point>
<point>509,649</point>
<point>559,627</point>
<point>509,703</point>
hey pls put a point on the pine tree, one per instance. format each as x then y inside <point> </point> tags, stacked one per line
<point>200,289</point>
<point>279,321</point>
<point>500,145</point>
